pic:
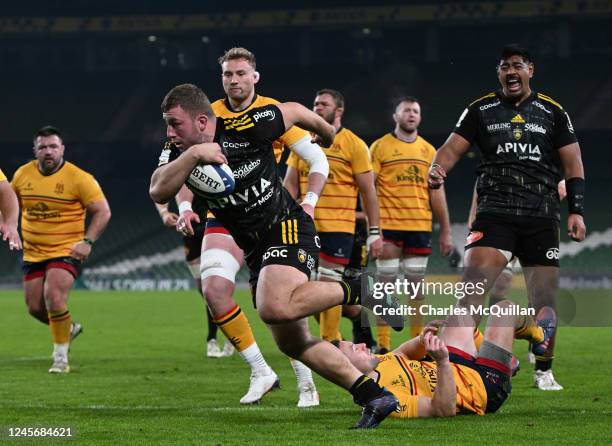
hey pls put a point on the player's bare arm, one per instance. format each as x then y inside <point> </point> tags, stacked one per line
<point>446,158</point>
<point>473,206</point>
<point>100,214</point>
<point>440,211</point>
<point>9,214</point>
<point>168,179</point>
<point>168,217</point>
<point>187,217</point>
<point>297,114</point>
<point>292,182</point>
<point>365,182</point>
<point>571,160</point>
<point>444,400</point>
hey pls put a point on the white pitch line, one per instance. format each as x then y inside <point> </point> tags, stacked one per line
<point>253,408</point>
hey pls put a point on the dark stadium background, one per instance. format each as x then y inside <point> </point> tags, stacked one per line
<point>98,71</point>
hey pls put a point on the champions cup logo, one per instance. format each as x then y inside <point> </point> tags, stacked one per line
<point>264,114</point>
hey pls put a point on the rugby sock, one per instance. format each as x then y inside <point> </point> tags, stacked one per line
<point>478,338</point>
<point>365,390</point>
<point>212,327</point>
<point>526,328</point>
<point>383,334</point>
<point>59,323</point>
<point>362,332</point>
<point>302,373</point>
<point>330,323</point>
<point>351,291</point>
<point>543,364</point>
<point>235,326</point>
<point>253,357</point>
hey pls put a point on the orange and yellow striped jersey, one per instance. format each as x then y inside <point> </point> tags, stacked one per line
<point>53,209</point>
<point>291,136</point>
<point>408,379</point>
<point>347,157</point>
<point>2,176</point>
<point>401,183</point>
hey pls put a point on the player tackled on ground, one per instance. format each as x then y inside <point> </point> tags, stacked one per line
<point>55,197</point>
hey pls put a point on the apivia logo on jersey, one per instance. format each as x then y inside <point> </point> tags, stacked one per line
<point>522,150</point>
<point>252,196</point>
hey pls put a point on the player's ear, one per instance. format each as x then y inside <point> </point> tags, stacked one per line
<point>202,121</point>
<point>256,76</point>
<point>531,70</point>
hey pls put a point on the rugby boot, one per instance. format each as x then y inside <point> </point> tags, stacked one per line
<point>377,410</point>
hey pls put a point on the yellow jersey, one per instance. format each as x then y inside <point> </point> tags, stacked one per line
<point>401,183</point>
<point>408,379</point>
<point>347,157</point>
<point>2,176</point>
<point>53,209</point>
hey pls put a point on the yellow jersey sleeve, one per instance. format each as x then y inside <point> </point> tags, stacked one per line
<point>89,189</point>
<point>2,176</point>
<point>361,162</point>
<point>374,155</point>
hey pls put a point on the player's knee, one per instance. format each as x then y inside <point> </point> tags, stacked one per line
<point>217,289</point>
<point>274,314</point>
<point>414,266</point>
<point>388,267</point>
<point>218,263</point>
<point>330,274</point>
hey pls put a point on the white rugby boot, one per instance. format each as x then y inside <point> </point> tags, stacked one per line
<point>309,397</point>
<point>546,381</point>
<point>213,350</point>
<point>263,381</point>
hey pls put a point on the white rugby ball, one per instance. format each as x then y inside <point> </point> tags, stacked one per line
<point>211,180</point>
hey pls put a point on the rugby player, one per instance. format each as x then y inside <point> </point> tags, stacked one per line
<point>193,246</point>
<point>221,257</point>
<point>9,213</point>
<point>528,145</point>
<point>276,234</point>
<point>401,160</point>
<point>456,378</point>
<point>350,174</point>
<point>55,196</point>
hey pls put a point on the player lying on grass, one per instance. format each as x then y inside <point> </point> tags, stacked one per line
<point>455,377</point>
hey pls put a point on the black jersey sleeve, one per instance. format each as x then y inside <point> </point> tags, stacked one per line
<point>467,126</point>
<point>564,130</point>
<point>268,124</point>
<point>169,153</point>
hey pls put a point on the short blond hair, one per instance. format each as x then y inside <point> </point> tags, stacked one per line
<point>238,53</point>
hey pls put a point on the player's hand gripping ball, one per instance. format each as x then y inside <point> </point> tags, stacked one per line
<point>211,180</point>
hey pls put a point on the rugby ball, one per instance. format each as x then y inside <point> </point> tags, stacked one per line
<point>211,180</point>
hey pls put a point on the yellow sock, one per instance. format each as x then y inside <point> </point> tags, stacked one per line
<point>383,333</point>
<point>59,323</point>
<point>529,330</point>
<point>478,338</point>
<point>330,323</point>
<point>235,326</point>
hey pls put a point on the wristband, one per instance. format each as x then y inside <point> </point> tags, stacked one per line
<point>374,230</point>
<point>88,241</point>
<point>575,195</point>
<point>310,198</point>
<point>184,206</point>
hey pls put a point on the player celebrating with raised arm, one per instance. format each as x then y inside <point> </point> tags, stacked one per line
<point>55,197</point>
<point>276,234</point>
<point>528,145</point>
<point>221,257</point>
<point>9,213</point>
<point>350,173</point>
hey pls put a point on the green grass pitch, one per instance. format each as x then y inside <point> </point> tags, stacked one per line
<point>140,377</point>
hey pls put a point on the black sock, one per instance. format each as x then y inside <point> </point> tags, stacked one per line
<point>212,327</point>
<point>543,365</point>
<point>365,390</point>
<point>351,289</point>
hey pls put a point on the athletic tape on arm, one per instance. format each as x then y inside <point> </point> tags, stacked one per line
<point>312,154</point>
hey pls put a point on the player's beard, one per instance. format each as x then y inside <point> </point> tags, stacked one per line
<point>49,168</point>
<point>329,117</point>
<point>407,129</point>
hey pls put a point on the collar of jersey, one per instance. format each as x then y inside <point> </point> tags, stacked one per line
<point>229,106</point>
